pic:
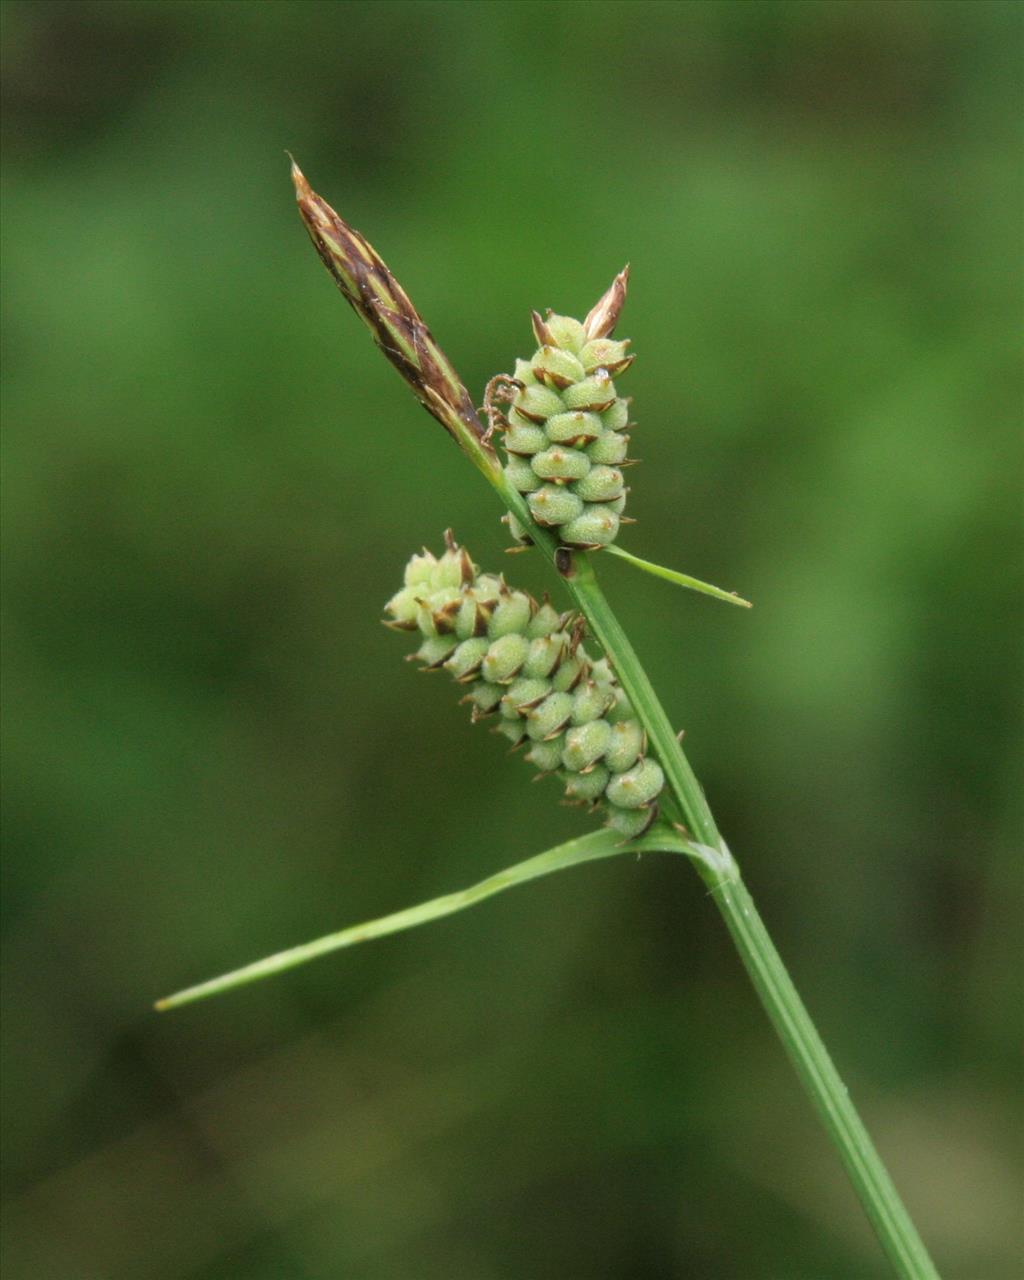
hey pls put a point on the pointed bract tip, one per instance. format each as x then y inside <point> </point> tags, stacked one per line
<point>302,188</point>
<point>540,330</point>
<point>603,316</point>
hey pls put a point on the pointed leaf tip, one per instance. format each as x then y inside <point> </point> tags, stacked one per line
<point>680,579</point>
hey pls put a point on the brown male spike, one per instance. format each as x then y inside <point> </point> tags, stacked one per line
<point>384,306</point>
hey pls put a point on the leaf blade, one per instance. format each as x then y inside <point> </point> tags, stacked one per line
<point>598,844</point>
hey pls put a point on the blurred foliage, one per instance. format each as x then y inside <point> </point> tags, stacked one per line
<point>212,750</point>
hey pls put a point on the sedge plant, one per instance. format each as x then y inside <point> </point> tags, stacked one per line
<point>553,443</point>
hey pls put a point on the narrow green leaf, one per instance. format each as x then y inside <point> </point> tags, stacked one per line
<point>680,579</point>
<point>599,844</point>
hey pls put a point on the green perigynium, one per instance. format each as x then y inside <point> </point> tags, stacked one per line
<point>525,664</point>
<point>564,433</point>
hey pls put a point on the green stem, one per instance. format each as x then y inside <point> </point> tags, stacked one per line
<point>577,573</point>
<point>686,790</point>
<point>817,1073</point>
<point>779,997</point>
<point>718,869</point>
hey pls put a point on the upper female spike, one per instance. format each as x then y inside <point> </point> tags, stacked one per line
<point>564,429</point>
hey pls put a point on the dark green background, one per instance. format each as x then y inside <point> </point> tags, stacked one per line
<point>213,749</point>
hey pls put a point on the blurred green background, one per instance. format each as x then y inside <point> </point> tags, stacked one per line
<point>213,750</point>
